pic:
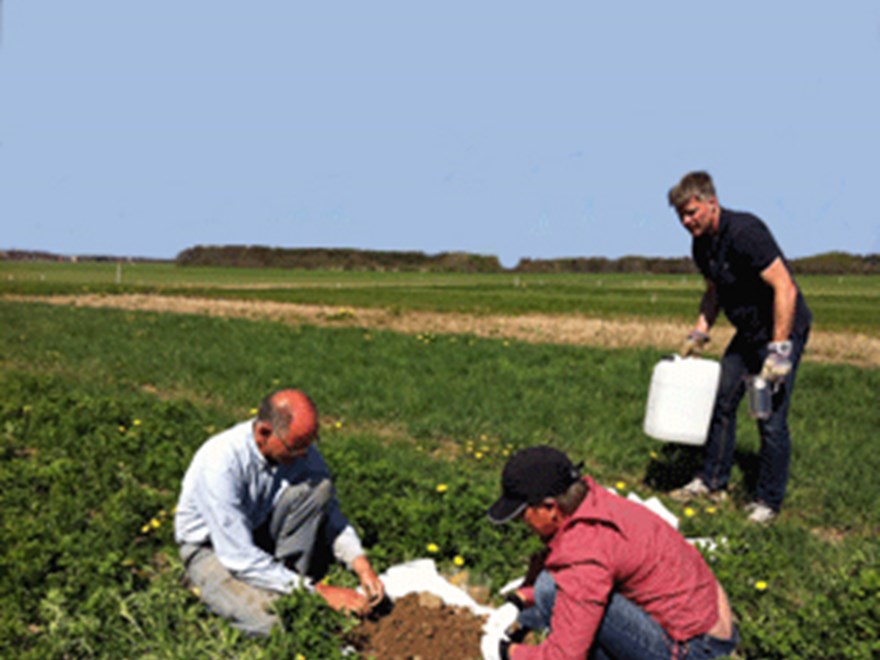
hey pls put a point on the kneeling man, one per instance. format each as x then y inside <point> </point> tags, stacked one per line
<point>617,580</point>
<point>258,517</point>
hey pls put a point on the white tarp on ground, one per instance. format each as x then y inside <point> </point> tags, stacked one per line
<point>421,575</point>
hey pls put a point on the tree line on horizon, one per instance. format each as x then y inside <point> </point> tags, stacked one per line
<point>351,259</point>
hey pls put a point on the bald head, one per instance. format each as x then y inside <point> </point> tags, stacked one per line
<point>287,423</point>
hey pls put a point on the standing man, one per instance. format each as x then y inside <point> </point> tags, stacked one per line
<point>258,517</point>
<point>617,581</point>
<point>748,277</point>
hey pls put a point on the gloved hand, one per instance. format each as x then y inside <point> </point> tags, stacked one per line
<point>693,344</point>
<point>777,364</point>
<point>516,600</point>
<point>494,647</point>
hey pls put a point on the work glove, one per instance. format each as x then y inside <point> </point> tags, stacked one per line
<point>497,638</point>
<point>693,344</point>
<point>777,364</point>
<point>514,632</point>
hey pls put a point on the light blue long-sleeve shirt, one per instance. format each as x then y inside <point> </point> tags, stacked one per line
<point>230,489</point>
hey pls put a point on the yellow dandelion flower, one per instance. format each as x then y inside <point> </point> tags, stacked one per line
<point>196,591</point>
<point>136,422</point>
<point>478,455</point>
<point>484,437</point>
<point>711,510</point>
<point>689,512</point>
<point>458,560</point>
<point>300,656</point>
<point>432,548</point>
<point>506,452</point>
<point>254,411</point>
<point>620,485</point>
<point>145,529</point>
<point>121,428</point>
<point>338,424</point>
<point>154,523</point>
<point>761,585</point>
<point>655,455</point>
<point>442,488</point>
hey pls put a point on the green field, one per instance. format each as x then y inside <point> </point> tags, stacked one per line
<point>100,411</point>
<point>838,303</point>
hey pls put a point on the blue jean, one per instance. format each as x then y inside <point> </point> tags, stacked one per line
<point>740,360</point>
<point>626,630</point>
<point>293,530</point>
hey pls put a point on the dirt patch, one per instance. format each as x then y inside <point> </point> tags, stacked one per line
<point>420,626</point>
<point>835,347</point>
<point>829,534</point>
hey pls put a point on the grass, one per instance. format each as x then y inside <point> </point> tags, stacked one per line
<point>838,303</point>
<point>100,411</point>
<point>439,388</point>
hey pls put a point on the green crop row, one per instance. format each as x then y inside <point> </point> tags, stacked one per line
<point>100,411</point>
<point>838,302</point>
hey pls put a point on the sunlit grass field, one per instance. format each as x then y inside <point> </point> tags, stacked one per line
<point>838,302</point>
<point>100,411</point>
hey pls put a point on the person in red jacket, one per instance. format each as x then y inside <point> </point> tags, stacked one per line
<point>617,580</point>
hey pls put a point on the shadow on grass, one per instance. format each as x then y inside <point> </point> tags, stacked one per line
<point>749,463</point>
<point>677,465</point>
<point>674,467</point>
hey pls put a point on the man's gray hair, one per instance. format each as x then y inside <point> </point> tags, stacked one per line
<point>693,184</point>
<point>279,417</point>
<point>571,499</point>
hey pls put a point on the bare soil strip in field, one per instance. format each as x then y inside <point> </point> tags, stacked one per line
<point>824,346</point>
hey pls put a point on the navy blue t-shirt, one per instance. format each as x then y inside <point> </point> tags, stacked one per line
<point>733,259</point>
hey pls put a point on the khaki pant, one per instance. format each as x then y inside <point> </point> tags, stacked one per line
<point>293,535</point>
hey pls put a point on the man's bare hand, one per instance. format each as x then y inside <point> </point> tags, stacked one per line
<point>342,599</point>
<point>370,582</point>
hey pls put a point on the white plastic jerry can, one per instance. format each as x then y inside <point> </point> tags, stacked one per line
<point>681,399</point>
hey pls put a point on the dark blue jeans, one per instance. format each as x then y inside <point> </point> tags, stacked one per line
<point>739,361</point>
<point>626,631</point>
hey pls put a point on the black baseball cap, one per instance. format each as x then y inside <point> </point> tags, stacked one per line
<point>530,475</point>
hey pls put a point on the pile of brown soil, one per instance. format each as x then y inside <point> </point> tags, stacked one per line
<point>420,627</point>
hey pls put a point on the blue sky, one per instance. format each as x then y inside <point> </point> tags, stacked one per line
<point>519,129</point>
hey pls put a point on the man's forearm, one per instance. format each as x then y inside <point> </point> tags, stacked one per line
<point>784,302</point>
<point>708,310</point>
<point>784,298</point>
